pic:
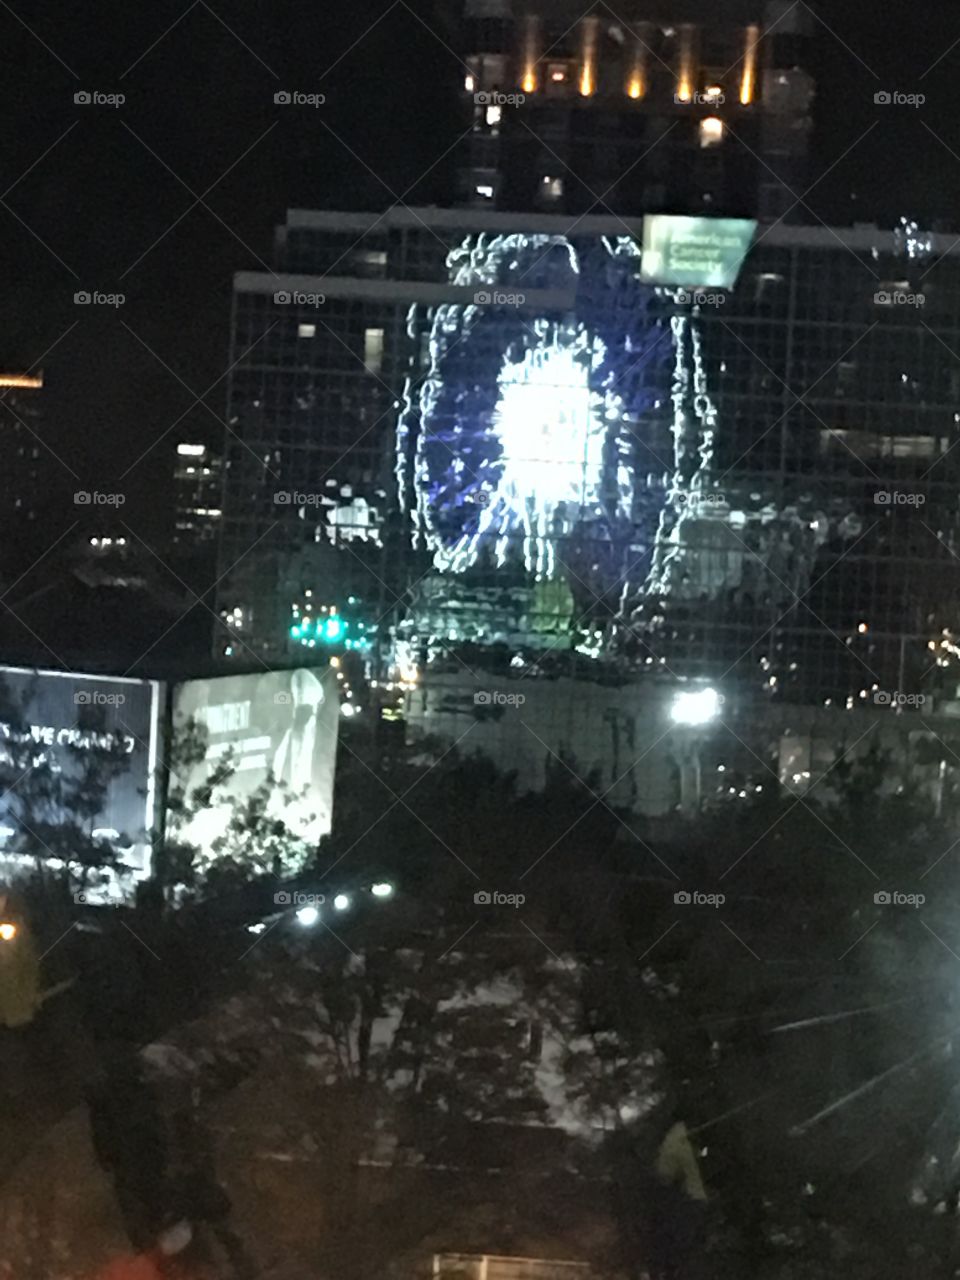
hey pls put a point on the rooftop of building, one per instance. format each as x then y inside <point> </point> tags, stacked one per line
<point>721,11</point>
<point>859,238</point>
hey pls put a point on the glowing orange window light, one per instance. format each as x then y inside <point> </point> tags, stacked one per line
<point>530,54</point>
<point>748,81</point>
<point>686,62</point>
<point>21,380</point>
<point>636,62</point>
<point>588,56</point>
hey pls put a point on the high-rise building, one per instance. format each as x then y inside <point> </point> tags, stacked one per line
<point>20,449</point>
<point>198,479</point>
<point>308,475</point>
<point>669,105</point>
<point>654,445</point>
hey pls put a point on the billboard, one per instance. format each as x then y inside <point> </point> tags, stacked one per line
<point>52,717</point>
<point>273,723</point>
<point>694,251</point>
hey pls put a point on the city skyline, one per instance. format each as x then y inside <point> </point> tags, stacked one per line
<point>177,294</point>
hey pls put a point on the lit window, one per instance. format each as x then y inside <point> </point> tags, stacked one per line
<point>558,74</point>
<point>493,114</point>
<point>469,84</point>
<point>711,131</point>
<point>306,330</point>
<point>714,93</point>
<point>191,450</point>
<point>373,350</point>
<point>552,187</point>
<point>486,191</point>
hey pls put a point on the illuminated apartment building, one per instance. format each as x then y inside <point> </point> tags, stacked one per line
<point>647,106</point>
<point>198,477</point>
<point>23,455</point>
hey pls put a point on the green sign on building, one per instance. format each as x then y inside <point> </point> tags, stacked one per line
<point>694,251</point>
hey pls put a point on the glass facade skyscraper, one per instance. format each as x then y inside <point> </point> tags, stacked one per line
<point>521,433</point>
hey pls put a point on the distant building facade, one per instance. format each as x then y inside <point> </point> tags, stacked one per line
<point>198,479</point>
<point>659,442</point>
<point>22,459</point>
<point>669,106</point>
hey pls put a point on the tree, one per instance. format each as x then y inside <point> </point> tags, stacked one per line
<point>253,842</point>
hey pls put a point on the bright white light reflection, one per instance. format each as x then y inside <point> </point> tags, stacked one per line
<point>697,706</point>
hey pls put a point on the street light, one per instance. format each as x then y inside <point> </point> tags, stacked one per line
<point>308,916</point>
<point>341,902</point>
<point>692,709</point>
<point>695,706</point>
<point>381,889</point>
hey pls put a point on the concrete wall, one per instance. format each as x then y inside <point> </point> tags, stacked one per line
<point>645,763</point>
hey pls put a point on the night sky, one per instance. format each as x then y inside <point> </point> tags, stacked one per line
<point>111,199</point>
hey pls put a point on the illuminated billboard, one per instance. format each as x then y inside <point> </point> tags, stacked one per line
<point>694,251</point>
<point>53,718</point>
<point>278,726</point>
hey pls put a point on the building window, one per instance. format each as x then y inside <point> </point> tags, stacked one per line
<point>493,114</point>
<point>373,350</point>
<point>371,263</point>
<point>485,191</point>
<point>306,330</point>
<point>469,83</point>
<point>711,131</point>
<point>551,188</point>
<point>557,72</point>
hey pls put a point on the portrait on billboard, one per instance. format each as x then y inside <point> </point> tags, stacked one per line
<point>275,730</point>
